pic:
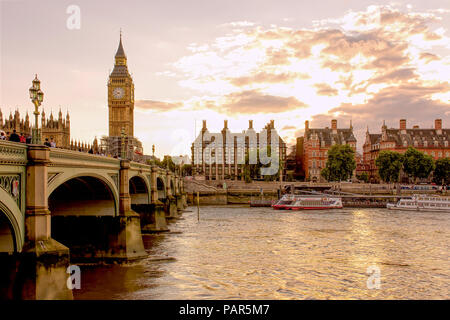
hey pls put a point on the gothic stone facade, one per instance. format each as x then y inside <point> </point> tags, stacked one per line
<point>121,97</point>
<point>54,129</point>
<point>121,111</point>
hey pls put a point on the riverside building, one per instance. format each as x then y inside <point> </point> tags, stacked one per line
<point>432,141</point>
<point>317,142</point>
<point>222,155</point>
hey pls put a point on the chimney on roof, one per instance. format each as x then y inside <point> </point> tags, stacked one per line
<point>204,125</point>
<point>334,124</point>
<point>438,126</point>
<point>402,124</point>
<point>225,124</point>
<point>306,125</point>
<point>250,124</point>
<point>416,127</point>
<point>272,124</point>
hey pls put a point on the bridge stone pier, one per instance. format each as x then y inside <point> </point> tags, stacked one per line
<point>59,206</point>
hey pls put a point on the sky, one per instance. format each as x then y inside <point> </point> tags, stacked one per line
<point>290,61</point>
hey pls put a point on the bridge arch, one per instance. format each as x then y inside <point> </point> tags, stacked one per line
<point>107,180</point>
<point>139,189</point>
<point>83,195</point>
<point>161,187</point>
<point>11,224</point>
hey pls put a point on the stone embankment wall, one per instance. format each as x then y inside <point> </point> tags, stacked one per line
<point>239,192</point>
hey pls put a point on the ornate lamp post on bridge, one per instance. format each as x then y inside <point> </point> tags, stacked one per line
<point>181,165</point>
<point>153,155</point>
<point>36,96</point>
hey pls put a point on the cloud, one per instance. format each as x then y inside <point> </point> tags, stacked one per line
<point>158,106</point>
<point>256,102</point>
<point>368,65</point>
<point>265,77</point>
<point>428,57</point>
<point>406,101</point>
<point>289,128</point>
<point>324,89</point>
<point>399,75</point>
<point>238,24</point>
<point>277,57</point>
<point>411,102</point>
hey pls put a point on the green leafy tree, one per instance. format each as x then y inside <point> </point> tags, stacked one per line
<point>340,163</point>
<point>155,161</point>
<point>441,174</point>
<point>363,177</point>
<point>325,173</point>
<point>417,164</point>
<point>186,169</point>
<point>389,165</point>
<point>168,163</point>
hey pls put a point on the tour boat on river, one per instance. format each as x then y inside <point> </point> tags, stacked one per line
<point>302,202</point>
<point>422,203</point>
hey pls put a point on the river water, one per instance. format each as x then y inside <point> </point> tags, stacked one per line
<point>258,253</point>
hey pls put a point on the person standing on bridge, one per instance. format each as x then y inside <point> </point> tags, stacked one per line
<point>47,143</point>
<point>14,137</point>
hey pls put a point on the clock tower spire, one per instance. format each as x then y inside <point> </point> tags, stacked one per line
<point>121,96</point>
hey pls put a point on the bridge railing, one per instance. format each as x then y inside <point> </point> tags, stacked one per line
<point>140,167</point>
<point>13,153</point>
<point>16,154</point>
<point>64,157</point>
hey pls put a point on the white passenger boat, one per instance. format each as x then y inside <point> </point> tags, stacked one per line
<point>302,202</point>
<point>285,200</point>
<point>422,203</point>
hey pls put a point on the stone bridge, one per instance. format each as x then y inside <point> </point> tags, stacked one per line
<point>59,206</point>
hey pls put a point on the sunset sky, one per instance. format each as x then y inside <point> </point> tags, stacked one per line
<point>289,61</point>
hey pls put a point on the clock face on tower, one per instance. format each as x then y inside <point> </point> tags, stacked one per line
<point>118,93</point>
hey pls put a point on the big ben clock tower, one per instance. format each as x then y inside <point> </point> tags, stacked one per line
<point>121,97</point>
<point>121,141</point>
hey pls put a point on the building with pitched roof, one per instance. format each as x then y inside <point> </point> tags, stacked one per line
<point>432,141</point>
<point>317,142</point>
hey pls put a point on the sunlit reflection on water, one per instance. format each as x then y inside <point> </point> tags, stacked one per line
<point>260,253</point>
